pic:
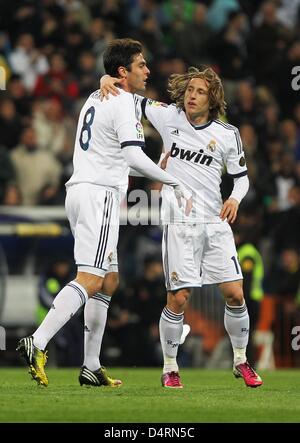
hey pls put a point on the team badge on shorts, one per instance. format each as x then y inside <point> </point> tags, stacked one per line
<point>242,161</point>
<point>174,276</point>
<point>212,145</point>
<point>110,256</point>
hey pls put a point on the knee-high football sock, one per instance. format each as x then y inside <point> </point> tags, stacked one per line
<point>65,305</point>
<point>95,315</point>
<point>236,321</point>
<point>170,330</point>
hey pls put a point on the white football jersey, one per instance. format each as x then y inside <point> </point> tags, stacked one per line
<point>104,128</point>
<point>199,157</point>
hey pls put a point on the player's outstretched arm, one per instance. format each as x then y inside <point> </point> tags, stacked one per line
<point>139,161</point>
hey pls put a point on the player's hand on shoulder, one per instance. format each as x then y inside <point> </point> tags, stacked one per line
<point>107,86</point>
<point>229,210</point>
<point>182,192</point>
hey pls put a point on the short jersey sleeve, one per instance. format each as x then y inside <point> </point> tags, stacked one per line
<point>235,155</point>
<point>127,122</point>
<point>156,112</point>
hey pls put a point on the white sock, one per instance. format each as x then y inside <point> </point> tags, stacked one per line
<point>236,321</point>
<point>95,314</point>
<point>170,330</point>
<point>65,305</point>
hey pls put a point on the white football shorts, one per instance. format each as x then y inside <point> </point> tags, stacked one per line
<point>93,213</point>
<point>199,254</point>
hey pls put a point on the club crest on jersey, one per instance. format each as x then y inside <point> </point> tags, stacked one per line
<point>212,145</point>
<point>156,103</point>
<point>174,276</point>
<point>175,132</point>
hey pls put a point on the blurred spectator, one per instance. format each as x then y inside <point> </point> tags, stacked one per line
<point>230,48</point>
<point>161,12</point>
<point>75,42</point>
<point>78,13</point>
<point>10,124</point>
<point>193,50</point>
<point>114,13</point>
<point>5,47</point>
<point>37,171</point>
<point>285,179</point>
<point>27,61</point>
<point>99,36</point>
<point>20,97</point>
<point>288,12</point>
<point>219,11</point>
<point>55,132</point>
<point>23,16</point>
<point>58,82</point>
<point>52,35</point>
<point>151,36</point>
<point>287,96</point>
<point>246,108</point>
<point>7,179</point>
<point>268,40</point>
<point>274,150</point>
<point>87,74</point>
<point>288,130</point>
<point>270,122</point>
<point>286,232</point>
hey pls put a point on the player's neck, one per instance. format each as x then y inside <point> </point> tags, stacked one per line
<point>198,119</point>
<point>126,87</point>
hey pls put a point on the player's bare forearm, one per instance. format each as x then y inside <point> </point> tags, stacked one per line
<point>229,210</point>
<point>164,161</point>
<point>107,86</point>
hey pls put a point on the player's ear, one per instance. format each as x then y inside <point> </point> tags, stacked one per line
<point>122,71</point>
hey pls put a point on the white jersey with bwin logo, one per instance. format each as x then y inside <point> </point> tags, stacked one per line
<point>104,128</point>
<point>199,157</point>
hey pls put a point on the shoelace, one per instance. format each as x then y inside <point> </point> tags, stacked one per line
<point>175,378</point>
<point>249,370</point>
<point>45,357</point>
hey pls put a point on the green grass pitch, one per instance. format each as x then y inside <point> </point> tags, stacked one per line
<point>208,396</point>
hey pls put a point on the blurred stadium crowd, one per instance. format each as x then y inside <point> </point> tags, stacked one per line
<point>51,51</point>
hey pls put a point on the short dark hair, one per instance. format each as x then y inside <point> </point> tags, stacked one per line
<point>120,52</point>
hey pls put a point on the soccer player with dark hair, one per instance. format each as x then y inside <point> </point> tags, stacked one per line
<point>109,140</point>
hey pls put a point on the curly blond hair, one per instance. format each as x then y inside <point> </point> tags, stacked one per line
<point>178,83</point>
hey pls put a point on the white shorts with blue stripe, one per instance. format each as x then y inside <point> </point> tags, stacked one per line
<point>93,213</point>
<point>199,254</point>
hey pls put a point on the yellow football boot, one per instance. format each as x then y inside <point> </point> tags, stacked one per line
<point>35,359</point>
